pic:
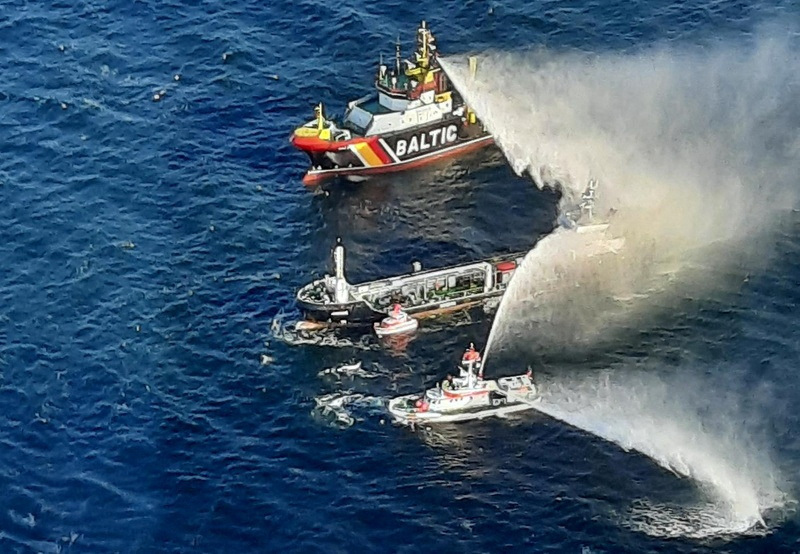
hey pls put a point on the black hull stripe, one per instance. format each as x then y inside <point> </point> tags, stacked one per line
<point>355,170</point>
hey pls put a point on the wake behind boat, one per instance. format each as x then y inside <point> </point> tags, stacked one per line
<point>468,396</point>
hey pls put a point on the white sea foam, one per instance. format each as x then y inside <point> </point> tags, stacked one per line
<point>686,425</point>
<point>350,370</point>
<point>286,331</point>
<point>342,408</point>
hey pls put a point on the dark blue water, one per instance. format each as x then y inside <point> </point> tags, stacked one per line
<point>147,246</point>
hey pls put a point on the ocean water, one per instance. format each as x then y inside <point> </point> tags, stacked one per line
<point>146,404</point>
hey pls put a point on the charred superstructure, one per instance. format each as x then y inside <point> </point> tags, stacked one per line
<point>332,300</point>
<point>414,117</point>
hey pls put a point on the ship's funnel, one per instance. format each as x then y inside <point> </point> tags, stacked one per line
<point>342,286</point>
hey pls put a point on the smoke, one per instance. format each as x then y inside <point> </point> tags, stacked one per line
<point>696,152</point>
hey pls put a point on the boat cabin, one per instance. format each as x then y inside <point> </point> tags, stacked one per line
<point>412,92</point>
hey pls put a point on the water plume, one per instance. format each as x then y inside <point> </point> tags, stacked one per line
<point>697,154</point>
<point>671,419</point>
<point>695,150</point>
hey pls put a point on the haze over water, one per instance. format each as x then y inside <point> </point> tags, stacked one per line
<point>697,153</point>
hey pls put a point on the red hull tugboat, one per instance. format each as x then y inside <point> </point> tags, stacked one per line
<point>416,117</point>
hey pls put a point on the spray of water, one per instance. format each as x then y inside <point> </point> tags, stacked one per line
<point>639,409</point>
<point>692,149</point>
<point>697,152</point>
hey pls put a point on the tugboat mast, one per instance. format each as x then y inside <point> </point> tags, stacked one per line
<point>397,58</point>
<point>423,45</point>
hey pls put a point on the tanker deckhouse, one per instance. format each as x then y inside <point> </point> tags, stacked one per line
<point>415,117</point>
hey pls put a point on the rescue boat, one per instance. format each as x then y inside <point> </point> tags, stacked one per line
<point>468,396</point>
<point>414,117</point>
<point>397,322</point>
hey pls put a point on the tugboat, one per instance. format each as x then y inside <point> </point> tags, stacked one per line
<point>415,117</point>
<point>396,323</point>
<point>332,301</point>
<point>468,396</point>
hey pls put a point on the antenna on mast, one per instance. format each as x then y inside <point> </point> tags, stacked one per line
<point>397,55</point>
<point>424,43</point>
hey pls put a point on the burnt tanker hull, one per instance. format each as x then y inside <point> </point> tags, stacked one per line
<point>359,313</point>
<point>351,313</point>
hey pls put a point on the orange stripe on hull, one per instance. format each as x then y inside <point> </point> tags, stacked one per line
<point>365,151</point>
<point>449,394</point>
<point>316,177</point>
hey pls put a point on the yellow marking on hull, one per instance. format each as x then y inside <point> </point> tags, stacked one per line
<point>366,152</point>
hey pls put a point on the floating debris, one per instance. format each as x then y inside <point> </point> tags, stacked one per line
<point>212,228</point>
<point>64,105</point>
<point>127,245</point>
<point>138,328</point>
<point>266,360</point>
<point>157,97</point>
<point>226,55</point>
<point>177,77</point>
<point>276,276</point>
<point>334,408</point>
<point>275,77</point>
<point>352,370</point>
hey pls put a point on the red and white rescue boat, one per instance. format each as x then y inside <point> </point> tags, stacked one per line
<point>468,396</point>
<point>396,323</point>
